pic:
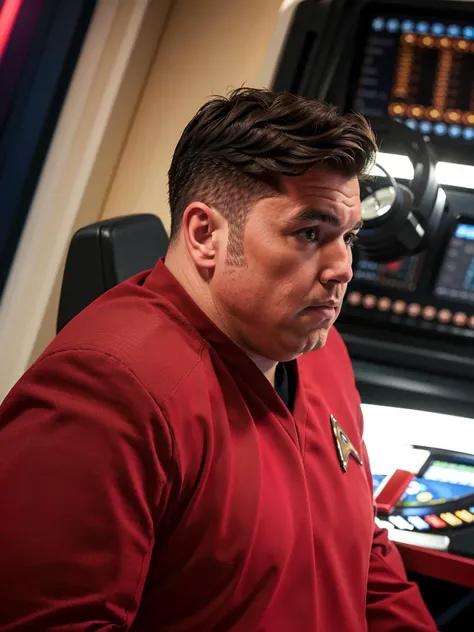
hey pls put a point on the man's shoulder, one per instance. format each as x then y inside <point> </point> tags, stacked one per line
<point>142,332</point>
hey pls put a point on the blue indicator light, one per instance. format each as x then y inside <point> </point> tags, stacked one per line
<point>468,32</point>
<point>422,27</point>
<point>465,231</point>
<point>440,129</point>
<point>378,24</point>
<point>425,127</point>
<point>437,29</point>
<point>408,26</point>
<point>454,131</point>
<point>453,30</point>
<point>393,25</point>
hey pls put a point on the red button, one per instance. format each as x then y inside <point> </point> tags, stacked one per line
<point>444,316</point>
<point>369,301</point>
<point>414,310</point>
<point>388,494</point>
<point>460,319</point>
<point>384,304</point>
<point>429,312</point>
<point>354,298</point>
<point>399,307</point>
<point>435,521</point>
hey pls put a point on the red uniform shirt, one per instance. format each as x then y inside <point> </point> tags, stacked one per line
<point>152,479</point>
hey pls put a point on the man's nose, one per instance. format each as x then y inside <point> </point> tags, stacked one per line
<point>335,263</point>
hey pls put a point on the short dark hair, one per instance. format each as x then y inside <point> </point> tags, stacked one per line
<point>236,148</point>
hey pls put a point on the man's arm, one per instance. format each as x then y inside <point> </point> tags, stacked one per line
<point>393,603</point>
<point>83,456</point>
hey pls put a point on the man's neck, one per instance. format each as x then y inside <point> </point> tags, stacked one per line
<point>197,289</point>
<point>267,367</point>
<point>194,285</point>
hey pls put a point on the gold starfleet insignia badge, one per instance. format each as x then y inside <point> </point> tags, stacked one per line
<point>344,447</point>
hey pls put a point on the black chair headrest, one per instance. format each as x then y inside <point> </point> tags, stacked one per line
<point>106,253</point>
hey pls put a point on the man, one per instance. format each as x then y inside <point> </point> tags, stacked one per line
<point>187,454</point>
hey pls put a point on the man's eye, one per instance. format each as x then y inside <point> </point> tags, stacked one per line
<point>308,234</point>
<point>351,239</point>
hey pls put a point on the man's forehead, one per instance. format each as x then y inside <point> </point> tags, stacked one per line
<point>325,191</point>
<point>323,184</point>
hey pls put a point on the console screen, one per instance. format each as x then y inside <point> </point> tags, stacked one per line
<point>420,71</point>
<point>400,275</point>
<point>456,277</point>
<point>442,482</point>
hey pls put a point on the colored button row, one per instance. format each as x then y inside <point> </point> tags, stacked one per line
<point>440,129</point>
<point>393,25</point>
<point>443,521</point>
<point>413,310</point>
<point>451,116</point>
<point>425,40</point>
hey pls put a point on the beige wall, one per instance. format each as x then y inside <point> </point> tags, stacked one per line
<point>146,67</point>
<point>208,47</point>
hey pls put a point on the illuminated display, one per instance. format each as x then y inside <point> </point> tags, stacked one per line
<point>456,278</point>
<point>421,73</point>
<point>442,482</point>
<point>455,473</point>
<point>401,275</point>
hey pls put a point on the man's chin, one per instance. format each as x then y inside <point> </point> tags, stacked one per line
<point>317,340</point>
<point>293,346</point>
<point>310,342</point>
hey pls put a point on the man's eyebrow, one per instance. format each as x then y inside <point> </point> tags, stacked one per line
<point>309,214</point>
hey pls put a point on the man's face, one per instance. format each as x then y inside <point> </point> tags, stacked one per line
<point>298,262</point>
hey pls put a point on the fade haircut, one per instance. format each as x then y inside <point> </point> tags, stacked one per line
<point>236,149</point>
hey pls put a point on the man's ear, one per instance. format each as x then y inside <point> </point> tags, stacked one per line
<point>200,225</point>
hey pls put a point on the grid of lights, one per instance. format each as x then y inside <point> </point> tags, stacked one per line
<point>436,119</point>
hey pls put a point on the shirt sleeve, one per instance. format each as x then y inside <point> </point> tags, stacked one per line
<point>393,603</point>
<point>84,455</point>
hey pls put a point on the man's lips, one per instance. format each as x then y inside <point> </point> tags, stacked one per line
<point>331,303</point>
<point>323,311</point>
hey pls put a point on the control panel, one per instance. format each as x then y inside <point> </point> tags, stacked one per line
<point>428,296</point>
<point>421,293</point>
<point>408,324</point>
